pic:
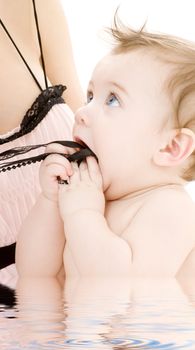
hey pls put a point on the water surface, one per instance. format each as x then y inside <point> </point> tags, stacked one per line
<point>98,314</point>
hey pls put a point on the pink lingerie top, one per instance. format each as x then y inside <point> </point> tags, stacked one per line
<point>48,119</point>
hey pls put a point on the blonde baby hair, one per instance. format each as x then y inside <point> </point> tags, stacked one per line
<point>177,52</point>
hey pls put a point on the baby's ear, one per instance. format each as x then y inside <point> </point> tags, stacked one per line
<point>180,146</point>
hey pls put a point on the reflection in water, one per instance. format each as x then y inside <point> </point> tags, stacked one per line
<point>7,296</point>
<point>98,314</point>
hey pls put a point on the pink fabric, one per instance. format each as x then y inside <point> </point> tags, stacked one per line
<point>19,188</point>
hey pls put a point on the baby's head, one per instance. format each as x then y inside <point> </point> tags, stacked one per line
<point>178,55</point>
<point>140,115</point>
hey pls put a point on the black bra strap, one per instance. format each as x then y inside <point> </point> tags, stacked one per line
<point>40,46</point>
<point>40,43</point>
<point>22,57</point>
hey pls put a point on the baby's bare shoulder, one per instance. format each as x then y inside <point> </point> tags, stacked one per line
<point>173,205</point>
<point>173,202</point>
<point>166,211</point>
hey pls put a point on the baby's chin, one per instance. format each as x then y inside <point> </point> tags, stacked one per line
<point>110,195</point>
<point>108,190</point>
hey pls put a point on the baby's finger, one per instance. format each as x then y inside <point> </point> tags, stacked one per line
<point>50,176</point>
<point>57,172</point>
<point>94,171</point>
<point>84,171</point>
<point>75,178</point>
<point>57,159</point>
<point>56,148</point>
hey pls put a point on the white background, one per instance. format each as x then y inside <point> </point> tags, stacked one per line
<point>87,19</point>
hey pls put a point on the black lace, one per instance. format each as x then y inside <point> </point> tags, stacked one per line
<point>81,152</point>
<point>48,96</point>
<point>44,102</point>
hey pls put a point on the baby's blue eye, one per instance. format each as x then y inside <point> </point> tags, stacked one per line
<point>89,96</point>
<point>112,100</point>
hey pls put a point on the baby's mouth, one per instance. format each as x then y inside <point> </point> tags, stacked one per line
<point>85,150</point>
<point>80,142</point>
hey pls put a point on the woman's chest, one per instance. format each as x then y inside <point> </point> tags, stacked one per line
<point>19,88</point>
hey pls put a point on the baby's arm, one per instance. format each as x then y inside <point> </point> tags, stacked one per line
<point>95,249</point>
<point>40,245</point>
<point>154,244</point>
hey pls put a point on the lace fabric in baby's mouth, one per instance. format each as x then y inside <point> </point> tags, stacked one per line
<point>81,152</point>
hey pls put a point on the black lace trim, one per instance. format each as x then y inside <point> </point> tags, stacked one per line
<point>81,152</point>
<point>39,109</point>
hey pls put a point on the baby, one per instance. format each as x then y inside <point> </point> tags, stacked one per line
<point>127,214</point>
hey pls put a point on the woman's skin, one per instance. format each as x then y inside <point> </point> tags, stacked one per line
<point>18,89</point>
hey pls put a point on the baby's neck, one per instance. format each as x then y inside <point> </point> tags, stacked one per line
<point>145,191</point>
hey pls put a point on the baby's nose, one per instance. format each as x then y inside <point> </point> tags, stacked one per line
<point>81,116</point>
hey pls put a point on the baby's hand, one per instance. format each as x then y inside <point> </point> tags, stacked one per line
<point>84,191</point>
<point>53,168</point>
